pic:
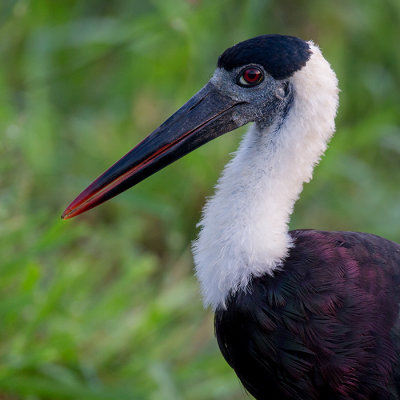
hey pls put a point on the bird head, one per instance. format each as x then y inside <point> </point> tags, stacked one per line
<point>252,83</point>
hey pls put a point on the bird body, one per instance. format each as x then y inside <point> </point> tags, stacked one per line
<point>323,326</point>
<point>303,315</point>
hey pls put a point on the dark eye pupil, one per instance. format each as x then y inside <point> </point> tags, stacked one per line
<point>251,75</point>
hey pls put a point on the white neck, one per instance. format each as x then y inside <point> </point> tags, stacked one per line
<point>244,229</point>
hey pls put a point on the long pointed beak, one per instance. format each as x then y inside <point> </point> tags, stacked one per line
<point>207,115</point>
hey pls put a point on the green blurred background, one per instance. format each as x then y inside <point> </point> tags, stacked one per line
<point>105,306</point>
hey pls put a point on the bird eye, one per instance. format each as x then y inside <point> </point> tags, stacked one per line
<point>250,77</point>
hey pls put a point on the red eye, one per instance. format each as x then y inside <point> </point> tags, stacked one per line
<point>250,77</point>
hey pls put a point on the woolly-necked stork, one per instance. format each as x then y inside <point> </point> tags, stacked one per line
<point>299,315</point>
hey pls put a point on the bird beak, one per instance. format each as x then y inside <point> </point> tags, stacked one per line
<point>207,115</point>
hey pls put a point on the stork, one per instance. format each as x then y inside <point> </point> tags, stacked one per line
<point>301,314</point>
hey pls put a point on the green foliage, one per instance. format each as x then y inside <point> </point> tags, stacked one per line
<point>105,306</point>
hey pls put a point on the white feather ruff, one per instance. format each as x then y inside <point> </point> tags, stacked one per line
<point>244,227</point>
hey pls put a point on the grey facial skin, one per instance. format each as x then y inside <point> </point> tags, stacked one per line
<point>263,104</point>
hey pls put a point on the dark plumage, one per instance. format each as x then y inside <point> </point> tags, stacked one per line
<point>280,55</point>
<point>326,326</point>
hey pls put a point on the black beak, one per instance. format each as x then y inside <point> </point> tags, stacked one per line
<point>207,115</point>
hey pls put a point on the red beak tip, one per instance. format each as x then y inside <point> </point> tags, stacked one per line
<point>66,214</point>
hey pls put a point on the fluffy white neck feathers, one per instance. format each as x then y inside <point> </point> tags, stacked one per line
<point>244,228</point>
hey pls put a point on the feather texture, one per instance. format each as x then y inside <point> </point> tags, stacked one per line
<point>325,326</point>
